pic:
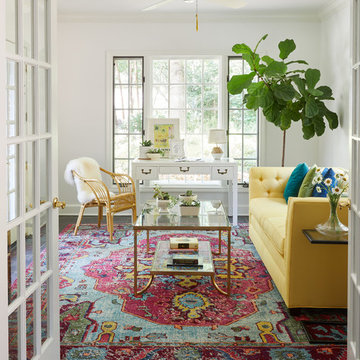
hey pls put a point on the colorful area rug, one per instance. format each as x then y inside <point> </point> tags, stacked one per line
<point>178,317</point>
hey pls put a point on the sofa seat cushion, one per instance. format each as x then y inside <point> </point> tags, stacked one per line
<point>271,213</point>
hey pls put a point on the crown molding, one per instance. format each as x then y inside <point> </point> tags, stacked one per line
<point>189,17</point>
<point>333,7</point>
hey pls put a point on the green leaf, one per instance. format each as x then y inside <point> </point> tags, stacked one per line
<point>297,62</point>
<point>311,108</point>
<point>326,93</point>
<point>319,125</point>
<point>300,83</point>
<point>285,121</point>
<point>272,113</point>
<point>259,96</point>
<point>276,68</point>
<point>241,49</point>
<point>286,47</point>
<point>308,131</point>
<point>261,68</point>
<point>252,59</point>
<point>255,86</point>
<point>315,92</point>
<point>332,118</point>
<point>307,122</point>
<point>312,77</point>
<point>267,59</point>
<point>239,82</point>
<point>284,92</point>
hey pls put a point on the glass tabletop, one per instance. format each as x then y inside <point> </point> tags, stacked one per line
<point>212,214</point>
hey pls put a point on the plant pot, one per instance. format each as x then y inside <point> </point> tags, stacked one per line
<point>143,152</point>
<point>189,210</point>
<point>190,198</point>
<point>154,156</point>
<point>162,204</point>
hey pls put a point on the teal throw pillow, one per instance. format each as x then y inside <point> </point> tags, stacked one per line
<point>295,180</point>
<point>327,173</point>
<point>307,187</point>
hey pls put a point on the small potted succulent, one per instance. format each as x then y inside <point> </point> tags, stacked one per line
<point>163,198</point>
<point>155,154</point>
<point>144,148</point>
<point>188,196</point>
<point>190,208</point>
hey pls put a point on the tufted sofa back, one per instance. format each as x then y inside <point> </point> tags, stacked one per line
<point>268,181</point>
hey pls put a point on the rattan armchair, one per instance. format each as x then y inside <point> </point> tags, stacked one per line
<point>101,196</point>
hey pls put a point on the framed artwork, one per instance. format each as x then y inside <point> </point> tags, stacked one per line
<point>177,148</point>
<point>160,131</point>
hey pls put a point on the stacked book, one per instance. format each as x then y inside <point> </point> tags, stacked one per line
<point>184,252</point>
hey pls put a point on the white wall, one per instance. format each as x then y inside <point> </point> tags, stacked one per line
<point>82,49</point>
<point>334,148</point>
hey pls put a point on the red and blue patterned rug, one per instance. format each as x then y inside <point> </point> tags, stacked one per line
<point>178,317</point>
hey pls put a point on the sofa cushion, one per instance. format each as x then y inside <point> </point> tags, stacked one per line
<point>270,213</point>
<point>295,180</point>
<point>307,186</point>
<point>326,174</point>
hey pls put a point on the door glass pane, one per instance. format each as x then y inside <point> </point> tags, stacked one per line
<point>28,23</point>
<point>29,250</point>
<point>43,100</point>
<point>29,100</point>
<point>12,99</point>
<point>44,190</point>
<point>13,324</point>
<point>13,181</point>
<point>29,176</point>
<point>11,26</point>
<point>135,141</point>
<point>44,312</point>
<point>44,241</point>
<point>42,35</point>
<point>13,263</point>
<point>30,327</point>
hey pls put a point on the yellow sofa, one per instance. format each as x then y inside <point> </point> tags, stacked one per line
<point>306,275</point>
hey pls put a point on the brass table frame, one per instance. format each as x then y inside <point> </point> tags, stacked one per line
<point>148,228</point>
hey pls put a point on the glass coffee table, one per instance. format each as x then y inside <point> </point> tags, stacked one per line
<point>212,217</point>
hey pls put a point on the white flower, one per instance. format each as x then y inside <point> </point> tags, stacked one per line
<point>328,182</point>
<point>345,179</point>
<point>318,189</point>
<point>318,179</point>
<point>318,170</point>
<point>336,190</point>
<point>337,176</point>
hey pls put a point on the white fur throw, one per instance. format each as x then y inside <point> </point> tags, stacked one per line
<point>87,168</point>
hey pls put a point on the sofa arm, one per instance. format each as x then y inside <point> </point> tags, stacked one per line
<point>268,181</point>
<point>316,273</point>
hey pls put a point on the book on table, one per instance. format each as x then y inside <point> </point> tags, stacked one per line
<point>184,243</point>
<point>187,260</point>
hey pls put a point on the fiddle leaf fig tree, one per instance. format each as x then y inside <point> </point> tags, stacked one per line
<point>284,94</point>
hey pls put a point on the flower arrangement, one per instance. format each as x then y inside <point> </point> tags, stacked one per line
<point>334,189</point>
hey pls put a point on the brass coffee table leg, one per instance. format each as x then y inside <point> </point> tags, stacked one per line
<point>147,241</point>
<point>217,286</point>
<point>228,262</point>
<point>146,286</point>
<point>135,263</point>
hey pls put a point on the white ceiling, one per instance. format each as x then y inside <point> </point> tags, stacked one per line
<point>134,7</point>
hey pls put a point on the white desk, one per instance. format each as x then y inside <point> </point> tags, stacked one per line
<point>224,169</point>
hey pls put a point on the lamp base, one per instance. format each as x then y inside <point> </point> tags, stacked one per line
<point>217,153</point>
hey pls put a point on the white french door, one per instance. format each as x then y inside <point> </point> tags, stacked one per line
<point>354,235</point>
<point>29,311</point>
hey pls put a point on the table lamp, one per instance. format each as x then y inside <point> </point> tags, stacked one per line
<point>217,136</point>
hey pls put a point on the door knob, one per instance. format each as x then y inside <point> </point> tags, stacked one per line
<point>58,204</point>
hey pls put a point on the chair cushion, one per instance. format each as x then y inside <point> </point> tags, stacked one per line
<point>271,213</point>
<point>87,168</point>
<point>295,180</point>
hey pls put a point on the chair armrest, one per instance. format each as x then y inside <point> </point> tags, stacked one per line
<point>268,181</point>
<point>122,181</point>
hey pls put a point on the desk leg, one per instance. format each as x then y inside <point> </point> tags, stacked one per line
<point>229,263</point>
<point>147,241</point>
<point>137,192</point>
<point>235,201</point>
<point>135,262</point>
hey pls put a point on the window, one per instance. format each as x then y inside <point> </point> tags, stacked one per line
<point>128,110</point>
<point>189,88</point>
<point>243,126</point>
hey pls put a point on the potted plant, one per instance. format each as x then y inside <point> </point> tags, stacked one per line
<point>163,198</point>
<point>188,196</point>
<point>190,208</point>
<point>144,148</point>
<point>284,94</point>
<point>155,154</point>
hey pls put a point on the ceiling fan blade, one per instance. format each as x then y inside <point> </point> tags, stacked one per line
<point>156,5</point>
<point>234,4</point>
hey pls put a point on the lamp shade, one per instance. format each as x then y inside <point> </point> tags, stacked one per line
<point>217,136</point>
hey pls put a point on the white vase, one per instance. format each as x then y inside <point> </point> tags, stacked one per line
<point>189,210</point>
<point>143,152</point>
<point>154,156</point>
<point>162,204</point>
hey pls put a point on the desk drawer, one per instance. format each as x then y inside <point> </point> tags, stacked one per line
<point>222,173</point>
<point>147,172</point>
<point>184,169</point>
